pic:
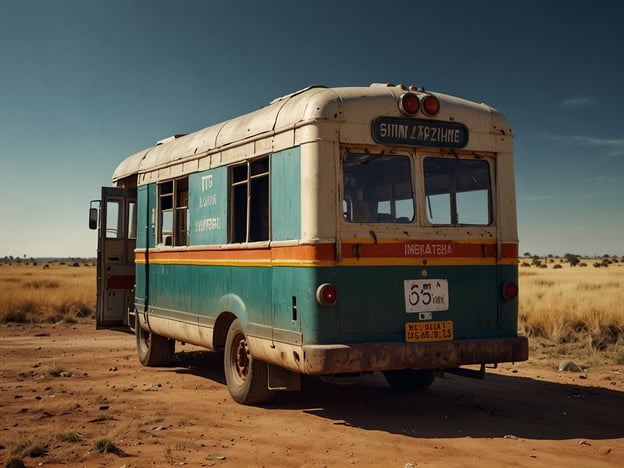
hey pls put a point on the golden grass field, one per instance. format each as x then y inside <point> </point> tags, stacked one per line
<point>35,292</point>
<point>578,307</point>
<point>564,306</point>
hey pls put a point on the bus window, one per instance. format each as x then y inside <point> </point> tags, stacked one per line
<point>181,213</point>
<point>458,191</point>
<point>377,189</point>
<point>173,212</point>
<point>132,220</point>
<point>249,214</point>
<point>114,219</point>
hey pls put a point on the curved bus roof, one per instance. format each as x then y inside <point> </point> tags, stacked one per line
<point>354,106</point>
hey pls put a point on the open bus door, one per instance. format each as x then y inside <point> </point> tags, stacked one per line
<point>116,224</point>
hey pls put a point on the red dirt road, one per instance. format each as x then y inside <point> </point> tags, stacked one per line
<point>521,415</point>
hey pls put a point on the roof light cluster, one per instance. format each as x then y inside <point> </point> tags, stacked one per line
<point>410,103</point>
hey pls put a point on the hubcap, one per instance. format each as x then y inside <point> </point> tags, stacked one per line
<point>241,359</point>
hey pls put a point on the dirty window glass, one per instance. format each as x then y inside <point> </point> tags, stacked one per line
<point>377,189</point>
<point>457,191</point>
<point>114,219</point>
<point>249,201</point>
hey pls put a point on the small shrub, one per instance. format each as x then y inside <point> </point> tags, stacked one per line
<point>105,446</point>
<point>28,448</point>
<point>14,462</point>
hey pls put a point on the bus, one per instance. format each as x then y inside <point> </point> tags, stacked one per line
<point>335,232</point>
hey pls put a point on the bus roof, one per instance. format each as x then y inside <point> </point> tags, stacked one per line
<point>288,113</point>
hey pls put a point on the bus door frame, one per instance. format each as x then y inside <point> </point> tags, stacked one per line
<point>115,255</point>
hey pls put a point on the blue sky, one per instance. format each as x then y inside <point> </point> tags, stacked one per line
<point>85,83</point>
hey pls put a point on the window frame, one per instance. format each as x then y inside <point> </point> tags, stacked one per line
<point>173,197</point>
<point>455,218</point>
<point>349,198</point>
<point>249,202</point>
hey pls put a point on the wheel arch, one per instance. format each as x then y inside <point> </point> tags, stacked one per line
<point>232,307</point>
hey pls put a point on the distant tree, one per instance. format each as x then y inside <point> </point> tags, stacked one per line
<point>527,254</point>
<point>572,259</point>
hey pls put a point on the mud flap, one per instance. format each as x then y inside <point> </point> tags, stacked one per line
<point>283,380</point>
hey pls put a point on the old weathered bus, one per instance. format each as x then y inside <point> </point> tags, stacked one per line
<point>334,232</point>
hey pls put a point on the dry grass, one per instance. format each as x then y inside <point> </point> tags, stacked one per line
<point>35,293</point>
<point>577,306</point>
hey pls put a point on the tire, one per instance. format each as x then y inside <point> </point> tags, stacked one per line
<point>246,377</point>
<point>153,350</point>
<point>409,380</point>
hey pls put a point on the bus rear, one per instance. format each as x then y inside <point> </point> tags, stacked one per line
<point>422,275</point>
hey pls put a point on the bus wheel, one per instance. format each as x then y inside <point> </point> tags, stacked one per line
<point>246,377</point>
<point>153,350</point>
<point>409,380</point>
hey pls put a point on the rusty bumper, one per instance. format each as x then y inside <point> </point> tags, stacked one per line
<point>335,359</point>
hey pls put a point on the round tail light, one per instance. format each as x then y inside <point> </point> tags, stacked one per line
<point>409,104</point>
<point>430,105</point>
<point>509,290</point>
<point>326,294</point>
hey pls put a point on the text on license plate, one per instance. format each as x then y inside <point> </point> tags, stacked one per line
<point>429,331</point>
<point>426,295</point>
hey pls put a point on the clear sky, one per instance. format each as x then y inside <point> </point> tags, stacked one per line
<point>85,83</point>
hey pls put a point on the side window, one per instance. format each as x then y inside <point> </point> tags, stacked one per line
<point>249,201</point>
<point>377,189</point>
<point>114,219</point>
<point>458,191</point>
<point>132,220</point>
<point>173,212</point>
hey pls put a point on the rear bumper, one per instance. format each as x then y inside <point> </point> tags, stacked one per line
<point>335,359</point>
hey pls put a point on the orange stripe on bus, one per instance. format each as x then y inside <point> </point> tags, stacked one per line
<point>351,249</point>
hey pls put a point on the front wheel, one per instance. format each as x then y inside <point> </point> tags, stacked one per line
<point>152,349</point>
<point>246,377</point>
<point>409,380</point>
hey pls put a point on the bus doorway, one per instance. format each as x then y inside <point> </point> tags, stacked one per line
<point>116,224</point>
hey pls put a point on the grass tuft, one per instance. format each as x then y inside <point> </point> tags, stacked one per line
<point>28,448</point>
<point>105,445</point>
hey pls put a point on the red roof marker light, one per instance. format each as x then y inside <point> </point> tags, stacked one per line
<point>430,105</point>
<point>409,104</point>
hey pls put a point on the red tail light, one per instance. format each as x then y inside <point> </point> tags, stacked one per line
<point>409,104</point>
<point>430,105</point>
<point>509,291</point>
<point>326,294</point>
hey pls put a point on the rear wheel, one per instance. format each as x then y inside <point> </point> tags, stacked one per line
<point>246,377</point>
<point>152,349</point>
<point>409,380</point>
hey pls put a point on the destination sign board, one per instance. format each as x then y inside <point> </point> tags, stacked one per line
<point>413,132</point>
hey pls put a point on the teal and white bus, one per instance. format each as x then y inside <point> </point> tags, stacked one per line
<point>334,232</point>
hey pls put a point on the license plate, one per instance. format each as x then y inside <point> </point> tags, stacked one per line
<point>426,295</point>
<point>420,332</point>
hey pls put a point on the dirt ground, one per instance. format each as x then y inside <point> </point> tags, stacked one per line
<point>59,380</point>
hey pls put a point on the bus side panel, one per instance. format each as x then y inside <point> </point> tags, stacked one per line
<point>286,195</point>
<point>146,238</point>
<point>195,294</point>
<point>508,308</point>
<point>208,194</point>
<point>295,308</point>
